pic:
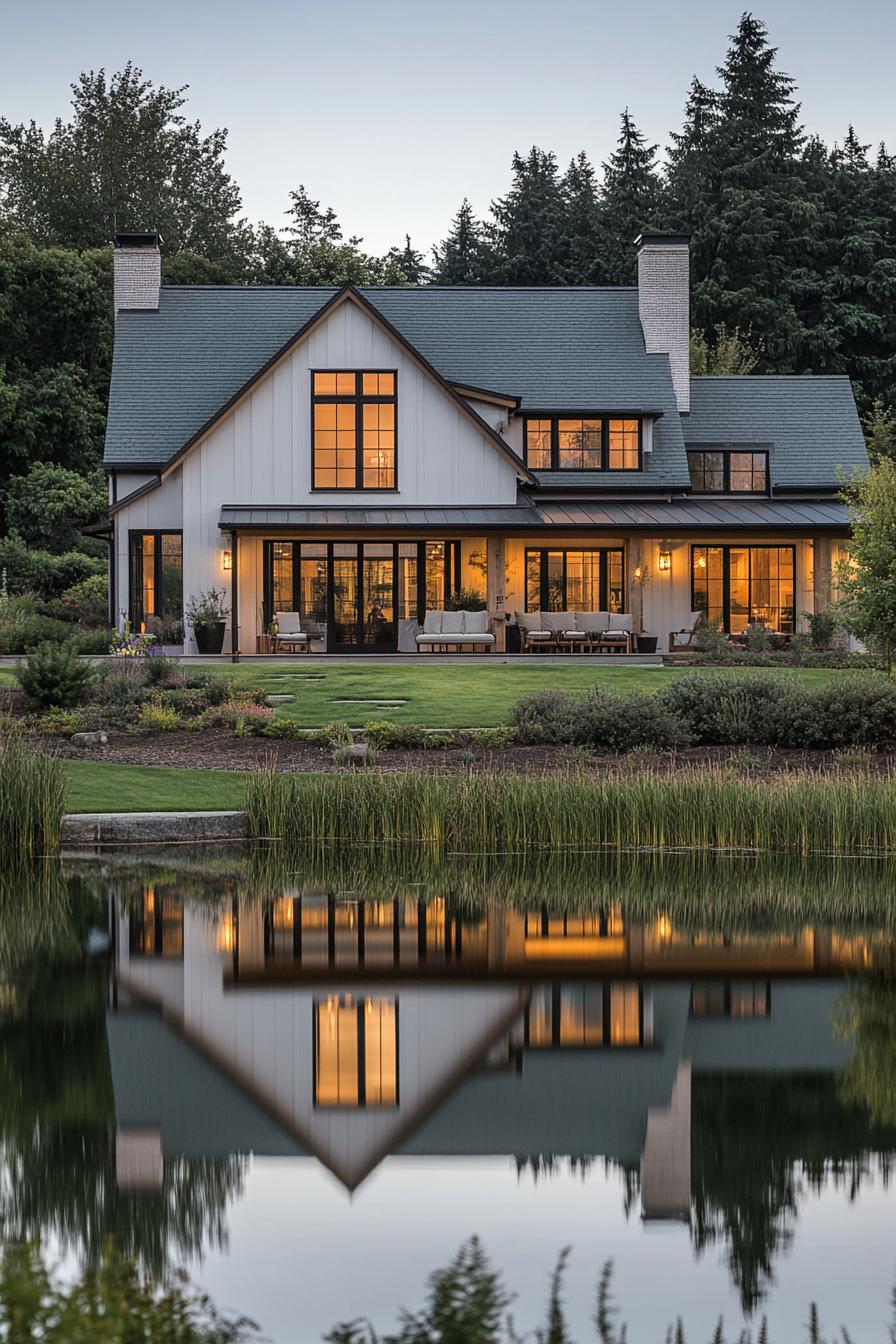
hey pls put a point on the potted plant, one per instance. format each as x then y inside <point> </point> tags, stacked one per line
<point>644,643</point>
<point>207,614</point>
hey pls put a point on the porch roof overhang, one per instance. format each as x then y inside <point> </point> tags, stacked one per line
<point>804,517</point>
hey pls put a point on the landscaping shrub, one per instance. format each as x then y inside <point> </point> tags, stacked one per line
<point>243,720</point>
<point>492,739</point>
<point>154,717</point>
<point>725,709</point>
<point>160,670</point>
<point>381,735</point>
<point>54,675</point>
<point>620,721</point>
<point>545,716</point>
<point>850,711</point>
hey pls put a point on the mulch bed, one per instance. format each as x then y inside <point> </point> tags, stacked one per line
<point>215,750</point>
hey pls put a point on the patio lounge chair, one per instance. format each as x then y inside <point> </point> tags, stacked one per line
<point>684,639</point>
<point>290,634</point>
<point>618,634</point>
<point>533,635</point>
<point>458,629</point>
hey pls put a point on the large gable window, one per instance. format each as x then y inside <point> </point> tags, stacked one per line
<point>583,443</point>
<point>716,471</point>
<point>353,430</point>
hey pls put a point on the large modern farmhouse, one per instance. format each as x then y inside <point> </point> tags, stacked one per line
<point>341,462</point>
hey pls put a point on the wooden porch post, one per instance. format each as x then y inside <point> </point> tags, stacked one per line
<point>234,600</point>
<point>635,552</point>
<point>822,576</point>
<point>494,587</point>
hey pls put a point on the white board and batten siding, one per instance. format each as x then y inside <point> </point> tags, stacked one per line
<point>260,454</point>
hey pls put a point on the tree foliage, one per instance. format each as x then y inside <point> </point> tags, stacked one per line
<point>867,579</point>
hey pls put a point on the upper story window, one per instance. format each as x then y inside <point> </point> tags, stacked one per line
<point>582,443</point>
<point>717,472</point>
<point>353,438</point>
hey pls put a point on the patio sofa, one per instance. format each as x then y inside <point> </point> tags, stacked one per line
<point>456,629</point>
<point>570,630</point>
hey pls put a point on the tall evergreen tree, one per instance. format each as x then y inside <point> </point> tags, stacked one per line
<point>464,258</point>
<point>529,230</point>
<point>579,188</point>
<point>628,202</point>
<point>750,233</point>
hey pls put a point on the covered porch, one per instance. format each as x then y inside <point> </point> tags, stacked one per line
<point>362,581</point>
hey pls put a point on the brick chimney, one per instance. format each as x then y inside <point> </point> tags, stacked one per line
<point>664,304</point>
<point>136,271</point>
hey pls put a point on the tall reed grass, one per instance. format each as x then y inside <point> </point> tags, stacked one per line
<point>712,809</point>
<point>32,800</point>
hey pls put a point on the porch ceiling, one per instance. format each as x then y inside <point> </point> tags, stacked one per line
<point>664,516</point>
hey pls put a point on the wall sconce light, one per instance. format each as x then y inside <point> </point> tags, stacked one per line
<point>665,562</point>
<point>639,573</point>
<point>227,559</point>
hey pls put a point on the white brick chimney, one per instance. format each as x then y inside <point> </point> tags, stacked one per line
<point>136,271</point>
<point>664,304</point>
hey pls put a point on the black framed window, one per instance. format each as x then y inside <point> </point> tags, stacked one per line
<point>156,583</point>
<point>156,924</point>
<point>580,580</point>
<point>355,1051</point>
<point>738,585</point>
<point>716,471</point>
<point>296,577</point>
<point>583,443</point>
<point>354,430</point>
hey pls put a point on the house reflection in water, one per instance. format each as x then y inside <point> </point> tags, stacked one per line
<point>349,1031</point>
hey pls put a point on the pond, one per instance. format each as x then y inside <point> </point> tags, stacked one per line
<point>307,1080</point>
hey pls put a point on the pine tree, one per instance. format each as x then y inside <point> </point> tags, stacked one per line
<point>628,203</point>
<point>755,217</point>
<point>579,189</point>
<point>464,258</point>
<point>308,223</point>
<point>529,230</point>
<point>403,266</point>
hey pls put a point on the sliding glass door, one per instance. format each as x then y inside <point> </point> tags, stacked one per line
<point>736,585</point>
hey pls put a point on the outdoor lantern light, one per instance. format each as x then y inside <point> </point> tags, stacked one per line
<point>665,563</point>
<point>228,559</point>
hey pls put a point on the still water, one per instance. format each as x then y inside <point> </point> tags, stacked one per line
<point>308,1081</point>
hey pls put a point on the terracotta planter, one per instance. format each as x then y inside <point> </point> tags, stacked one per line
<point>210,638</point>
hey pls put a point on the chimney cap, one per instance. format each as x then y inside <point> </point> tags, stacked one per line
<point>662,240</point>
<point>136,240</point>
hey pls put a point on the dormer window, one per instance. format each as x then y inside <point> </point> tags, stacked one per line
<point>583,443</point>
<point>716,471</point>
<point>353,430</point>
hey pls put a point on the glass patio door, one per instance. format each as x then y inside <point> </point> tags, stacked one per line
<point>362,592</point>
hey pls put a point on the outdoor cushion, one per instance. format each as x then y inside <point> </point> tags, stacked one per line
<point>538,634</point>
<point>592,622</point>
<point>620,621</point>
<point>476,622</point>
<point>528,621</point>
<point>555,621</point>
<point>453,622</point>
<point>432,623</point>
<point>574,634</point>
<point>288,623</point>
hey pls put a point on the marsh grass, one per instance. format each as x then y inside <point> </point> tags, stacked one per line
<point>32,800</point>
<point>713,809</point>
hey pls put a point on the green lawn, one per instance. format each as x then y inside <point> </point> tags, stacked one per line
<point>95,786</point>
<point>470,695</point>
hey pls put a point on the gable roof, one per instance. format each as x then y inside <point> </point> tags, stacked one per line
<point>175,368</point>
<point>809,424</point>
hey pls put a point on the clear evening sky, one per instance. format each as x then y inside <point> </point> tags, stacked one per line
<point>392,111</point>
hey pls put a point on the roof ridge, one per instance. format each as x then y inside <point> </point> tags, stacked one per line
<point>417,289</point>
<point>756,377</point>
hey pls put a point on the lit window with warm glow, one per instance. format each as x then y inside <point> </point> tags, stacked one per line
<point>624,445</point>
<point>355,1051</point>
<point>538,444</point>
<point>354,430</point>
<point>625,1015</point>
<point>578,445</point>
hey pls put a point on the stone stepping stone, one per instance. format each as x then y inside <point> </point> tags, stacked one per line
<point>273,700</point>
<point>378,704</point>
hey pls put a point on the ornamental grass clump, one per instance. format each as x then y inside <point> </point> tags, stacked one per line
<point>709,809</point>
<point>32,800</point>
